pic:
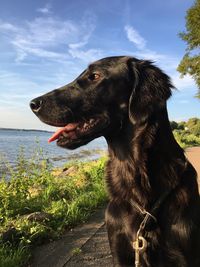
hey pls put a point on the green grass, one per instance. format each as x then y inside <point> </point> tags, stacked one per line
<point>13,256</point>
<point>35,187</point>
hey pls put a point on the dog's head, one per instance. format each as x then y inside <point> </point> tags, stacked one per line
<point>108,95</point>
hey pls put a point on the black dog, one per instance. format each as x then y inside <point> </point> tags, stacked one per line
<point>153,217</point>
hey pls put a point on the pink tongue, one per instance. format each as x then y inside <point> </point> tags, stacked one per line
<point>69,127</point>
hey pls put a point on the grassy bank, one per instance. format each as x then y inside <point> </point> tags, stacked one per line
<point>39,203</point>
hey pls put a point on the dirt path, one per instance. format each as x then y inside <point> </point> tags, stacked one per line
<point>87,245</point>
<point>193,154</point>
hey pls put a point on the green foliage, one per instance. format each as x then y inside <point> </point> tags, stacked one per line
<point>193,125</point>
<point>174,125</point>
<point>13,256</point>
<point>186,140</point>
<point>187,133</point>
<point>76,251</point>
<point>34,186</point>
<point>190,62</point>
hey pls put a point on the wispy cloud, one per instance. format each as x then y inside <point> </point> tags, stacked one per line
<point>8,27</point>
<point>88,25</point>
<point>141,44</point>
<point>149,54</point>
<point>49,37</point>
<point>76,49</point>
<point>165,61</point>
<point>185,83</point>
<point>134,37</point>
<point>45,10</point>
<point>40,37</point>
<point>88,55</point>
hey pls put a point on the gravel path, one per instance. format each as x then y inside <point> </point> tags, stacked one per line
<point>87,245</point>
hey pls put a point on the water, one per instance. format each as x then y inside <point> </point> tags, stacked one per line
<point>12,140</point>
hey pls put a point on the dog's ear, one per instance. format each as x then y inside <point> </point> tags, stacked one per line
<point>150,89</point>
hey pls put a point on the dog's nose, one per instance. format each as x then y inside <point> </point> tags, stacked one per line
<point>36,105</point>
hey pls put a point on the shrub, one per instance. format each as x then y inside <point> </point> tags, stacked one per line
<point>187,133</point>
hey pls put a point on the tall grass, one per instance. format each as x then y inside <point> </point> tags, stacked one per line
<point>13,256</point>
<point>63,200</point>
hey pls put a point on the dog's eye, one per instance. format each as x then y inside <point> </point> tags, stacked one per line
<point>94,76</point>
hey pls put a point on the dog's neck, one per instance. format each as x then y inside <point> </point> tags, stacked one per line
<point>143,158</point>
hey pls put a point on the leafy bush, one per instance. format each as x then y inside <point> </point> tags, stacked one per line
<point>186,140</point>
<point>187,133</point>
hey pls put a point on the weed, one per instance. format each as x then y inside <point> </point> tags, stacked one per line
<point>76,251</point>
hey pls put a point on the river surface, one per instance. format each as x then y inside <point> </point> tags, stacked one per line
<point>13,141</point>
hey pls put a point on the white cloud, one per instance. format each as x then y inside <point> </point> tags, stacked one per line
<point>45,10</point>
<point>49,37</point>
<point>75,49</point>
<point>134,37</point>
<point>87,27</point>
<point>185,83</point>
<point>78,45</point>
<point>142,51</point>
<point>151,55</point>
<point>8,27</point>
<point>88,55</point>
<point>166,62</point>
<point>50,32</point>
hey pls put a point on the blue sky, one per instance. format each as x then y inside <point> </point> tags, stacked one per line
<point>46,44</point>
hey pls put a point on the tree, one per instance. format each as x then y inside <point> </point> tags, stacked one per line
<point>181,125</point>
<point>193,125</point>
<point>174,125</point>
<point>190,63</point>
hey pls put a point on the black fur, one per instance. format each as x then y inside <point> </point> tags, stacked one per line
<point>127,98</point>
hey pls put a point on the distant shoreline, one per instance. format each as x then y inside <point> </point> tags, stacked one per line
<point>24,130</point>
